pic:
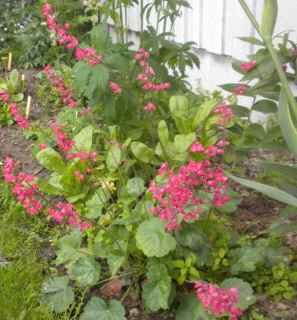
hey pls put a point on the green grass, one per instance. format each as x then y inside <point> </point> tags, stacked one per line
<point>21,240</point>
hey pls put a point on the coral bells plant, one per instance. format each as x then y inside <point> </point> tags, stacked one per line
<point>64,92</point>
<point>64,212</point>
<point>145,77</point>
<point>14,111</point>
<point>177,197</point>
<point>24,187</point>
<point>210,151</point>
<point>66,39</point>
<point>225,113</point>
<point>64,143</point>
<point>218,301</point>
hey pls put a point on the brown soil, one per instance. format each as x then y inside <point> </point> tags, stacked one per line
<point>14,144</point>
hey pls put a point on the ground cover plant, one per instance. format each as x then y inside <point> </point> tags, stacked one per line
<point>127,204</point>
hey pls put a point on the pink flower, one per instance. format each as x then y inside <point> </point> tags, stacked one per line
<point>19,119</point>
<point>57,82</point>
<point>83,156</point>
<point>47,9</point>
<point>64,143</point>
<point>88,54</point>
<point>142,56</point>
<point>218,301</point>
<point>24,187</point>
<point>42,146</point>
<point>4,96</point>
<point>64,212</point>
<point>79,176</point>
<point>8,170</point>
<point>240,89</point>
<point>66,39</point>
<point>176,196</point>
<point>150,107</point>
<point>225,112</point>
<point>197,148</point>
<point>248,66</point>
<point>115,88</point>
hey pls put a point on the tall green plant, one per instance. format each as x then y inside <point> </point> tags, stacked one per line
<point>287,109</point>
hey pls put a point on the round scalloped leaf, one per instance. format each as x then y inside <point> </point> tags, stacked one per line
<point>246,293</point>
<point>85,271</point>
<point>99,309</point>
<point>57,293</point>
<point>153,240</point>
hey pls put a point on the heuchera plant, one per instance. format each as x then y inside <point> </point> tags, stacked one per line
<point>145,190</point>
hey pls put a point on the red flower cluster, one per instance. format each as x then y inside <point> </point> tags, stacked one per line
<point>225,112</point>
<point>240,90</point>
<point>65,212</point>
<point>115,88</point>
<point>88,54</point>
<point>24,187</point>
<point>58,83</point>
<point>211,151</point>
<point>248,66</point>
<point>177,197</point>
<point>14,110</point>
<point>83,156</point>
<point>142,56</point>
<point>64,143</point>
<point>218,301</point>
<point>66,39</point>
<point>150,107</point>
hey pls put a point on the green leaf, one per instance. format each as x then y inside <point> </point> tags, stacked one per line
<point>203,112</point>
<point>135,187</point>
<point>57,293</point>
<point>163,133</point>
<point>142,152</point>
<point>18,97</point>
<point>269,191</point>
<point>81,72</point>
<point>156,290</point>
<point>85,271</point>
<point>252,40</point>
<point>153,240</point>
<point>286,123</point>
<point>182,142</point>
<point>68,248</point>
<point>101,78</point>
<point>95,204</point>
<point>265,106</point>
<point>46,187</point>
<point>51,160</point>
<point>114,157</point>
<point>247,259</point>
<point>100,37</point>
<point>179,108</point>
<point>246,294</point>
<point>240,111</point>
<point>98,309</point>
<point>84,139</point>
<point>191,309</point>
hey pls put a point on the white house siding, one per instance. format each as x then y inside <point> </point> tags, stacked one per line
<point>215,26</point>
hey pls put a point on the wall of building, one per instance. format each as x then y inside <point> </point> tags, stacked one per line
<point>215,25</point>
